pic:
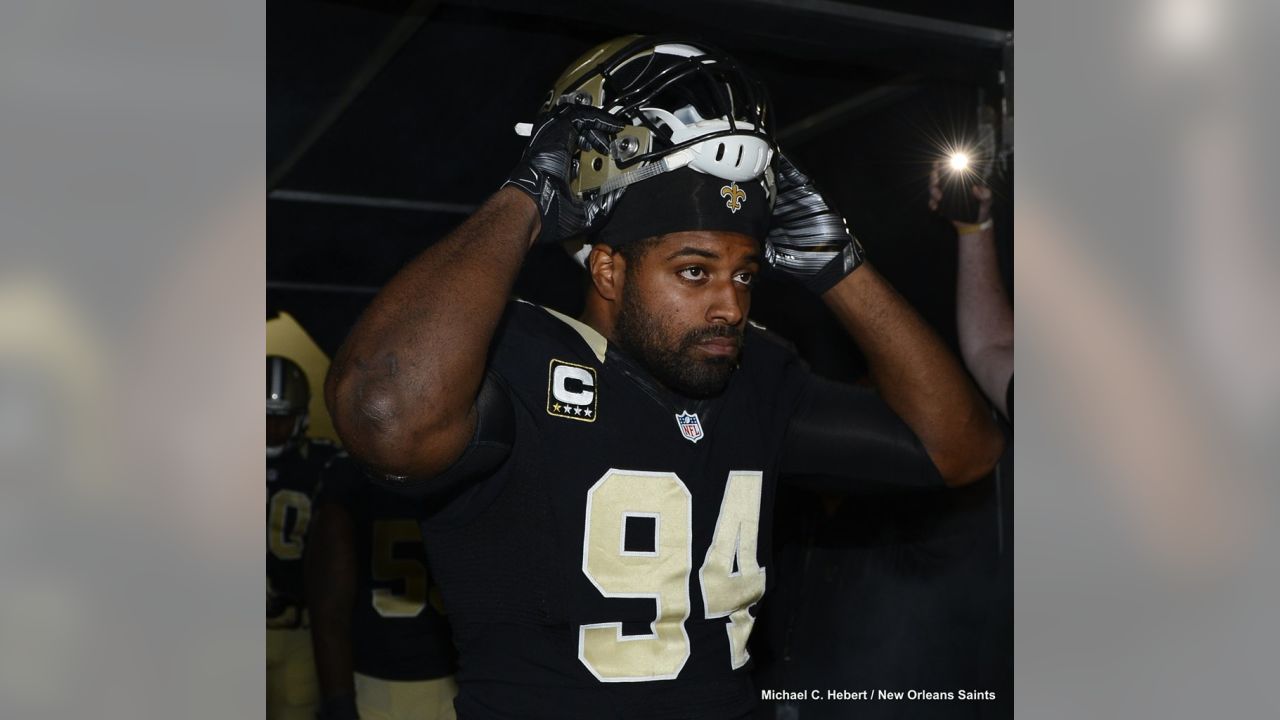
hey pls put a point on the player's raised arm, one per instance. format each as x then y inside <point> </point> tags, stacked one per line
<point>916,375</point>
<point>402,388</point>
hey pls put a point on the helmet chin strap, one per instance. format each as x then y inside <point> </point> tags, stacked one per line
<point>674,161</point>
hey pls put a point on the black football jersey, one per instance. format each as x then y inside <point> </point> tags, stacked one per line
<point>292,481</point>
<point>608,569</point>
<point>397,633</point>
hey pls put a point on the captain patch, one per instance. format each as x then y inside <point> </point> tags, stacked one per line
<point>571,391</point>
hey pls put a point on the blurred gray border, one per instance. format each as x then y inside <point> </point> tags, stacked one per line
<point>131,341</point>
<point>1148,359</point>
<point>131,303</point>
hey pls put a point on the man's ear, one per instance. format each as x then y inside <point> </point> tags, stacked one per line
<point>607,269</point>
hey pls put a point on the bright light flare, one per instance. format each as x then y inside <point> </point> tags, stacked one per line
<point>959,161</point>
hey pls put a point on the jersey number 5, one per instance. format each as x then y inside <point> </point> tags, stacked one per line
<point>731,579</point>
<point>387,534</point>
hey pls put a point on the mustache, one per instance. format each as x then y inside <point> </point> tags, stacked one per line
<point>714,332</point>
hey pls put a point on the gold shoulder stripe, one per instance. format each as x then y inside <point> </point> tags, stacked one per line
<point>594,340</point>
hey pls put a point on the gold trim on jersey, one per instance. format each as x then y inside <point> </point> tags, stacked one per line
<point>594,340</point>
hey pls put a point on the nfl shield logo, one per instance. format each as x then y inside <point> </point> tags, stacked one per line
<point>689,426</point>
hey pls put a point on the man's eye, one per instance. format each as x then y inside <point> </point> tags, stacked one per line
<point>745,278</point>
<point>693,273</point>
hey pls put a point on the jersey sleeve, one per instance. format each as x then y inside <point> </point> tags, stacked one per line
<point>775,364</point>
<point>844,438</point>
<point>342,480</point>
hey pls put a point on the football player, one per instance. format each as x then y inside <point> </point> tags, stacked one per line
<point>294,464</point>
<point>601,488</point>
<point>383,651</point>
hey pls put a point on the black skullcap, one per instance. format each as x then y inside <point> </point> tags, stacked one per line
<point>683,200</point>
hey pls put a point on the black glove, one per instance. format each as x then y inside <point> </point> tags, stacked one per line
<point>807,239</point>
<point>545,169</point>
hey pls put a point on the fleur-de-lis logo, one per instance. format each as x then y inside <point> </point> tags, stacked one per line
<point>736,196</point>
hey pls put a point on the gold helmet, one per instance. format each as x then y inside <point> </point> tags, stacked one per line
<point>684,102</point>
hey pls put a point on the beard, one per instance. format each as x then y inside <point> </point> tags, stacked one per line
<point>674,363</point>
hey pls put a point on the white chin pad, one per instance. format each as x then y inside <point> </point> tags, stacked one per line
<point>730,157</point>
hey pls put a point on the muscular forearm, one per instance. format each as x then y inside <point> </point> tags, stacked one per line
<point>401,388</point>
<point>332,645</point>
<point>984,317</point>
<point>331,589</point>
<point>917,376</point>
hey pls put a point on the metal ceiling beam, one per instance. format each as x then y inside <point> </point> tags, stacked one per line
<point>415,16</point>
<point>791,136</point>
<point>322,198</point>
<point>889,20</point>
<point>618,13</point>
<point>846,110</point>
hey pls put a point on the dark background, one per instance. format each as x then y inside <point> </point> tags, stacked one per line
<point>398,117</point>
<point>389,121</point>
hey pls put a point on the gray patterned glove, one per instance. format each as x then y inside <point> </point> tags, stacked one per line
<point>545,168</point>
<point>807,239</point>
